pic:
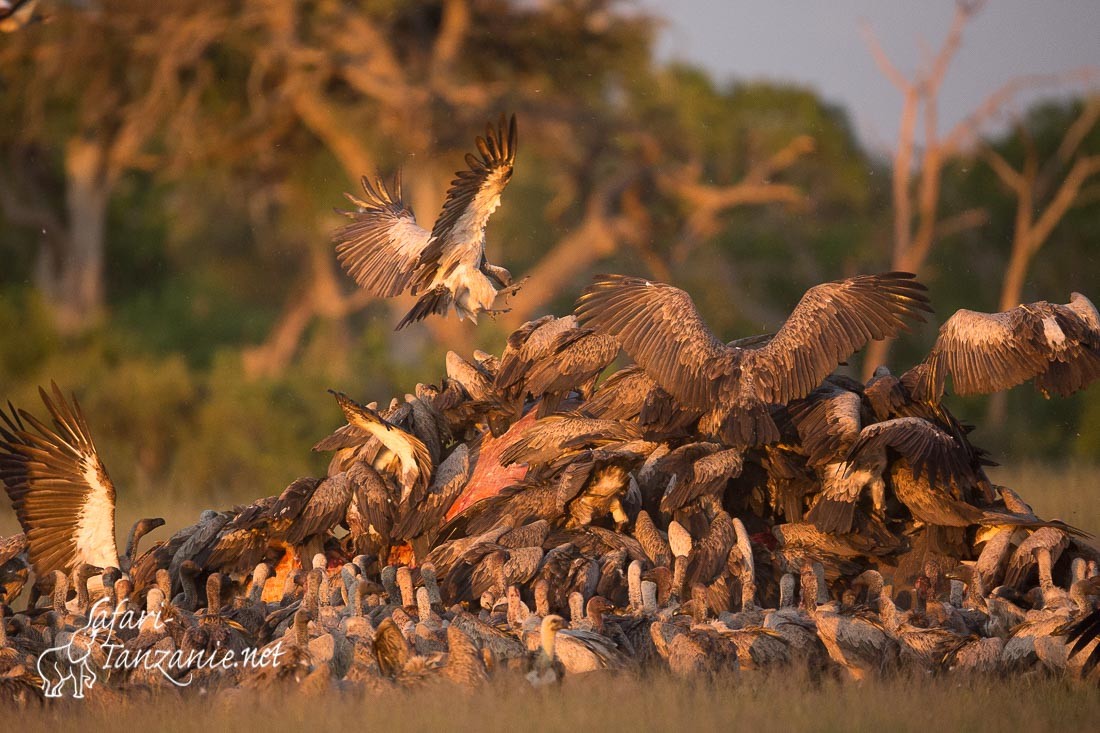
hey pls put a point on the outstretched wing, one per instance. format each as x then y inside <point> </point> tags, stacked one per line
<point>61,492</point>
<point>830,323</point>
<point>472,198</point>
<point>930,451</point>
<point>984,352</point>
<point>1076,350</point>
<point>660,328</point>
<point>382,245</point>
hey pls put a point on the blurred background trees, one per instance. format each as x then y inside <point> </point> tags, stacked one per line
<point>167,180</point>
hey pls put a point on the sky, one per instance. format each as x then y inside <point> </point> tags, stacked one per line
<point>818,43</point>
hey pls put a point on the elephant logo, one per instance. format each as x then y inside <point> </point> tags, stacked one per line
<point>63,664</point>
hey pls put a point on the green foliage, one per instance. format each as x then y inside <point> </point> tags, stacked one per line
<point>249,438</point>
<point>26,338</point>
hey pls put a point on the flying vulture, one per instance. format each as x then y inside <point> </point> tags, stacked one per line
<point>1057,346</point>
<point>388,253</point>
<point>61,492</point>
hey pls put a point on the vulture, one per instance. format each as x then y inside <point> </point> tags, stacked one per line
<point>930,452</point>
<point>1055,346</point>
<point>733,385</point>
<point>60,489</point>
<point>411,456</point>
<point>388,253</point>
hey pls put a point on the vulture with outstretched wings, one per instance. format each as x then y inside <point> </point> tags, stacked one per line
<point>731,385</point>
<point>61,492</point>
<point>388,253</point>
<point>1057,346</point>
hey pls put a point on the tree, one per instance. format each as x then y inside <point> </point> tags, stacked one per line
<point>917,221</point>
<point>403,77</point>
<point>1044,191</point>
<point>105,82</point>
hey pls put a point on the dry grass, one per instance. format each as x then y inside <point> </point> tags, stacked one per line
<point>1069,492</point>
<point>611,704</point>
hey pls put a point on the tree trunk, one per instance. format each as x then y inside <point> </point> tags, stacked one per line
<point>71,276</point>
<point>1012,290</point>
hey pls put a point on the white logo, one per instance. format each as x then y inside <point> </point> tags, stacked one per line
<point>70,660</point>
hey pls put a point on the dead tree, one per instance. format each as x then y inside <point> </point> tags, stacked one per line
<point>1044,193</point>
<point>917,173</point>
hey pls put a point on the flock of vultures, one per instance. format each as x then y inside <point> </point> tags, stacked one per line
<point>711,508</point>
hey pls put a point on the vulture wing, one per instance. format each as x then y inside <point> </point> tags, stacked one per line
<point>381,247</point>
<point>660,328</point>
<point>984,352</point>
<point>930,451</point>
<point>472,198</point>
<point>830,323</point>
<point>60,489</point>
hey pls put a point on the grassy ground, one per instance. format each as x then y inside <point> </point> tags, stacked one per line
<point>749,703</point>
<point>1069,492</point>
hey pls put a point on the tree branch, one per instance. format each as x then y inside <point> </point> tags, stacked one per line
<point>1082,170</point>
<point>885,65</point>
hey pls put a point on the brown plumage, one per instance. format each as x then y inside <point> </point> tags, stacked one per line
<point>828,422</point>
<point>325,508</point>
<point>391,649</point>
<point>929,452</point>
<point>244,538</point>
<point>708,556</point>
<point>464,665</point>
<point>698,470</point>
<point>556,436</point>
<point>12,546</point>
<point>387,252</point>
<point>447,484</point>
<point>1080,635</point>
<point>1057,346</point>
<point>409,455</point>
<point>370,512</point>
<point>14,569</point>
<point>660,328</point>
<point>572,361</point>
<point>59,487</point>
<point>653,541</point>
<point>622,395</point>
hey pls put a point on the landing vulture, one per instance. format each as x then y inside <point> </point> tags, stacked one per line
<point>387,252</point>
<point>1057,346</point>
<point>61,492</point>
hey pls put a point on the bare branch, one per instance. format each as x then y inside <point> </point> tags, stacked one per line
<point>1080,129</point>
<point>782,160</point>
<point>885,65</point>
<point>1004,170</point>
<point>933,78</point>
<point>961,222</point>
<point>452,33</point>
<point>996,101</point>
<point>1082,170</point>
